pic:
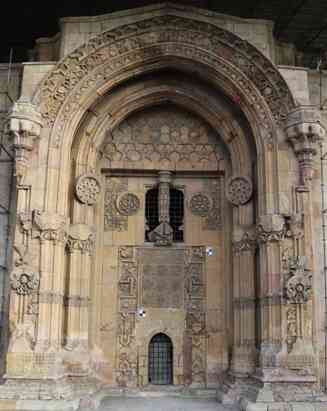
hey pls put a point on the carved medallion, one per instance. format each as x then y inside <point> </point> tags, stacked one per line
<point>88,189</point>
<point>200,204</point>
<point>239,190</point>
<point>128,204</point>
<point>24,282</point>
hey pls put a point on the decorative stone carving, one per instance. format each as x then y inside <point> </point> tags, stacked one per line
<point>153,278</point>
<point>239,190</point>
<point>25,124</point>
<point>163,138</point>
<point>88,189</point>
<point>295,226</point>
<point>170,34</point>
<point>271,228</point>
<point>113,219</point>
<point>128,204</point>
<point>80,238</point>
<point>304,131</point>
<point>49,226</point>
<point>213,221</point>
<point>247,243</point>
<point>126,367</point>
<point>24,281</point>
<point>298,285</point>
<point>200,204</point>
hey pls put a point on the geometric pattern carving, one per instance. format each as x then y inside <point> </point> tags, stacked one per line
<point>162,272</point>
<point>128,204</point>
<point>163,138</point>
<point>113,219</point>
<point>213,220</point>
<point>200,204</point>
<point>109,49</point>
<point>239,190</point>
<point>88,189</point>
<point>161,278</point>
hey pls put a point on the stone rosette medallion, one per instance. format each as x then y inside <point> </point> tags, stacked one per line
<point>128,204</point>
<point>200,204</point>
<point>239,190</point>
<point>88,189</point>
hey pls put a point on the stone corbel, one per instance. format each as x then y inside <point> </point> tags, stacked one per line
<point>304,131</point>
<point>25,124</point>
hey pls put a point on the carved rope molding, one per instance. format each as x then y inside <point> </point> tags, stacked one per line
<point>111,49</point>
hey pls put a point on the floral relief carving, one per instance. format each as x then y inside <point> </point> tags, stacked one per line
<point>88,189</point>
<point>298,285</point>
<point>200,204</point>
<point>110,46</point>
<point>239,190</point>
<point>128,204</point>
<point>113,219</point>
<point>24,281</point>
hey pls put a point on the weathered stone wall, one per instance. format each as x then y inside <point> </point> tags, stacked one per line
<point>9,91</point>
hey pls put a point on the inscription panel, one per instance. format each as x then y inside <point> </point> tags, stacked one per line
<point>162,273</point>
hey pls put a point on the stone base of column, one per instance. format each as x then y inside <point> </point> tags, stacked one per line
<point>272,389</point>
<point>66,388</point>
<point>243,361</point>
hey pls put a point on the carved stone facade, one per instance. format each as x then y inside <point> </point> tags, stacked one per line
<point>230,269</point>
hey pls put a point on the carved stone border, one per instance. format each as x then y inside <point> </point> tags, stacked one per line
<point>133,39</point>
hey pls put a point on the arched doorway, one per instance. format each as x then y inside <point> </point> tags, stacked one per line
<point>161,360</point>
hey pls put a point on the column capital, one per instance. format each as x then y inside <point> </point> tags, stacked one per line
<point>24,123</point>
<point>271,227</point>
<point>304,131</point>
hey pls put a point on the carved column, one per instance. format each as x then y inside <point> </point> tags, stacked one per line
<point>243,360</point>
<point>304,132</point>
<point>163,234</point>
<point>51,229</point>
<point>271,231</point>
<point>80,248</point>
<point>25,124</point>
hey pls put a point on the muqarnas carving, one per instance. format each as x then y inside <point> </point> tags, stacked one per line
<point>88,189</point>
<point>239,190</point>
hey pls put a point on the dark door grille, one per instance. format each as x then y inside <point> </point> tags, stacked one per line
<point>161,360</point>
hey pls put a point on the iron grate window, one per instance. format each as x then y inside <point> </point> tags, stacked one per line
<point>161,360</point>
<point>151,211</point>
<point>176,212</point>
